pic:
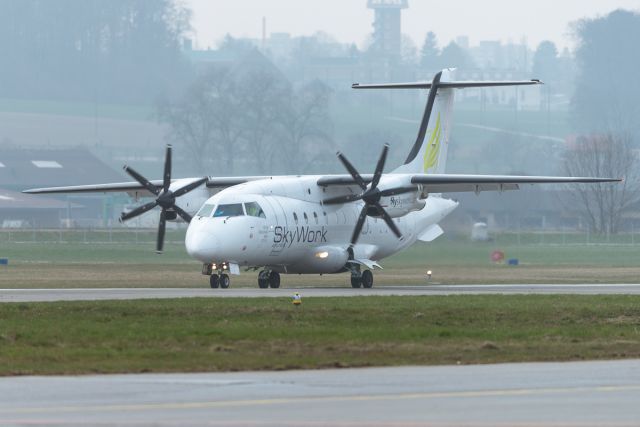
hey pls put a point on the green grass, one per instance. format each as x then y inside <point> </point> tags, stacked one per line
<point>240,334</point>
<point>71,263</point>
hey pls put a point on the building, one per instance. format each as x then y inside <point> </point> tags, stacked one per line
<point>387,30</point>
<point>21,169</point>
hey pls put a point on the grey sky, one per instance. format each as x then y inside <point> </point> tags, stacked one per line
<point>350,21</point>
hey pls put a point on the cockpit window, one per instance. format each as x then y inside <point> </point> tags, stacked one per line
<point>234,209</point>
<point>254,209</point>
<point>206,209</point>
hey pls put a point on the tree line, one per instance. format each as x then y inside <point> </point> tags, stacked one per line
<point>248,116</point>
<point>93,50</point>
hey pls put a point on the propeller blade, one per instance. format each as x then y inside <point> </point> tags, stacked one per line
<point>359,225</point>
<point>161,229</point>
<point>380,166</point>
<point>396,191</point>
<point>142,180</point>
<point>184,190</point>
<point>138,211</point>
<point>166,178</point>
<point>342,199</point>
<point>182,213</point>
<point>354,173</point>
<point>389,221</point>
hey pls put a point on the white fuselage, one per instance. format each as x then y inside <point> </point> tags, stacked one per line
<point>298,234</point>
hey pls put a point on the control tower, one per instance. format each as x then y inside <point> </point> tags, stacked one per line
<point>387,34</point>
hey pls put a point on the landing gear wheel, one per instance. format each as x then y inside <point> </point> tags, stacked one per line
<point>356,281</point>
<point>224,281</point>
<point>263,280</point>
<point>274,279</point>
<point>213,281</point>
<point>367,279</point>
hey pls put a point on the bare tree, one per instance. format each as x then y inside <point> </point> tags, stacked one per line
<point>305,127</point>
<point>264,93</point>
<point>208,120</point>
<point>605,155</point>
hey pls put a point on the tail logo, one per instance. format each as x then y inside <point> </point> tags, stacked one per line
<point>433,147</point>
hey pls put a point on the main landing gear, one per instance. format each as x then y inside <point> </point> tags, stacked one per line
<point>361,279</point>
<point>268,279</point>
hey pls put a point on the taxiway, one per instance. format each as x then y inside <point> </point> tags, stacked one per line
<point>572,393</point>
<point>96,294</point>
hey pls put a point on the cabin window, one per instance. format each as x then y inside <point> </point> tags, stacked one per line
<point>315,216</point>
<point>295,218</point>
<point>234,209</point>
<point>206,209</point>
<point>254,209</point>
<point>306,218</point>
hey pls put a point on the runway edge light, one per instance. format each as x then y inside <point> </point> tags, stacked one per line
<point>297,299</point>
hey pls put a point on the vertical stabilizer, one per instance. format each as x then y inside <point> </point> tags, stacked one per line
<point>429,152</point>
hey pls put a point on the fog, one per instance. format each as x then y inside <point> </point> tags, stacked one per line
<point>237,95</point>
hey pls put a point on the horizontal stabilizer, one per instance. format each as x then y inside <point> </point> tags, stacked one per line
<point>431,233</point>
<point>446,85</point>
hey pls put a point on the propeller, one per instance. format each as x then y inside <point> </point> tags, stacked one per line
<point>371,195</point>
<point>166,198</point>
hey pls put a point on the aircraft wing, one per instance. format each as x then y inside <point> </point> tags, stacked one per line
<point>446,183</point>
<point>453,183</point>
<point>133,187</point>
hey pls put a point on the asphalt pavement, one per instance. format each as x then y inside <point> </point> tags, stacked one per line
<point>95,294</point>
<point>600,393</point>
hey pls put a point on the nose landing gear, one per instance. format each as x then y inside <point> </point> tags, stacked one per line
<point>216,277</point>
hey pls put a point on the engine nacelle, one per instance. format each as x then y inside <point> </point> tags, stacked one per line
<point>401,205</point>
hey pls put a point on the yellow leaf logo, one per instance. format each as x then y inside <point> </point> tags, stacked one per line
<point>433,147</point>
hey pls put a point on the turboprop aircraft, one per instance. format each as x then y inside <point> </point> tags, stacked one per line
<point>320,224</point>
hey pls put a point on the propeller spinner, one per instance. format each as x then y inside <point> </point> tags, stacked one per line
<point>370,195</point>
<point>166,198</point>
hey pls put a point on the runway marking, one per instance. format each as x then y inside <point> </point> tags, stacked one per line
<point>247,423</point>
<point>294,400</point>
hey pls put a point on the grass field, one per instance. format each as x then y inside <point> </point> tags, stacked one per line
<point>240,334</point>
<point>126,263</point>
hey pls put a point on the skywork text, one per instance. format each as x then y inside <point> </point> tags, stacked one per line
<point>288,236</point>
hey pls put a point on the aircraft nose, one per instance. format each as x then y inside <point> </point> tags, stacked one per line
<point>200,242</point>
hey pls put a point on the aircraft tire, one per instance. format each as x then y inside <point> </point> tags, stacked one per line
<point>274,279</point>
<point>367,279</point>
<point>263,280</point>
<point>356,281</point>
<point>224,281</point>
<point>214,281</point>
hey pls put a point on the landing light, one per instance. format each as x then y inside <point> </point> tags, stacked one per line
<point>322,255</point>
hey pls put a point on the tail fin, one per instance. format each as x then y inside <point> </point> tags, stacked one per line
<point>429,153</point>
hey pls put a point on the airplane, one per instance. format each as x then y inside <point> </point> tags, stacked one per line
<point>321,224</point>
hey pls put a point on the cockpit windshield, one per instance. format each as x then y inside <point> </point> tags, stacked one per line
<point>234,209</point>
<point>206,209</point>
<point>254,209</point>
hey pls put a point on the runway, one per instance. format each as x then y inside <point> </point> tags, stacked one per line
<point>529,394</point>
<point>96,294</point>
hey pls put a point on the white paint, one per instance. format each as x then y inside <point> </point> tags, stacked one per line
<point>46,164</point>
